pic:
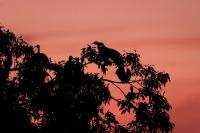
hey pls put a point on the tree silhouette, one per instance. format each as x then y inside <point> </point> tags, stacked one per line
<point>38,95</point>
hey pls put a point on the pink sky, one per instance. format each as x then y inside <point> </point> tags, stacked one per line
<point>165,33</point>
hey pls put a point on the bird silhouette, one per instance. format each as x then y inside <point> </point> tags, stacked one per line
<point>123,75</point>
<point>39,59</point>
<point>107,53</point>
<point>38,48</point>
<point>131,95</point>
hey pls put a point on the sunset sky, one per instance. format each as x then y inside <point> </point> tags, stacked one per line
<point>165,33</point>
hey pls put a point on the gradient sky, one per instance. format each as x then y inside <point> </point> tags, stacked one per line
<point>165,32</point>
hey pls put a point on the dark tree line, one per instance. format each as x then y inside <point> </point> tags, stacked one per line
<point>38,95</point>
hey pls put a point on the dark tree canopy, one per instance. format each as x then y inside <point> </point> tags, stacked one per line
<point>38,95</point>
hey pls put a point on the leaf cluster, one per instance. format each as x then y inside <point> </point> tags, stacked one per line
<point>38,95</point>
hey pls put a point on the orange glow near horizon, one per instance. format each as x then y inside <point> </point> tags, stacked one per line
<point>164,33</point>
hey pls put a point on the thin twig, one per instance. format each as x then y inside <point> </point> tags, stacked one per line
<point>115,99</point>
<point>116,86</point>
<point>119,82</point>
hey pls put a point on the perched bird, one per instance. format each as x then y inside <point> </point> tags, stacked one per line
<point>38,48</point>
<point>37,66</point>
<point>123,75</point>
<point>131,95</point>
<point>40,59</point>
<point>106,53</point>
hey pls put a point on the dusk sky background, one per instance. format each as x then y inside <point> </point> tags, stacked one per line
<point>166,33</point>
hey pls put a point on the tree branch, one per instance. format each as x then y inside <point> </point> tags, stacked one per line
<point>115,85</point>
<point>119,82</point>
<point>115,99</point>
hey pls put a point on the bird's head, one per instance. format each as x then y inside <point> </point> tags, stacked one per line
<point>38,48</point>
<point>99,44</point>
